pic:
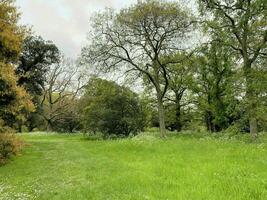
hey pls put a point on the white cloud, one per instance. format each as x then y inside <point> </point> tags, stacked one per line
<point>65,22</point>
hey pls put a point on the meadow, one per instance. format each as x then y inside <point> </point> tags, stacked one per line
<point>182,167</point>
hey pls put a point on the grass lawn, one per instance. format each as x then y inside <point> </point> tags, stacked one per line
<point>182,167</point>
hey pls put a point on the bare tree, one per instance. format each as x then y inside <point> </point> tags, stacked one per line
<point>63,84</point>
<point>136,39</point>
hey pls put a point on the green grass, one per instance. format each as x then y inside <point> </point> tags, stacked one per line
<point>183,167</point>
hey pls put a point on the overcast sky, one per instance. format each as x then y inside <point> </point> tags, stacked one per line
<point>65,22</point>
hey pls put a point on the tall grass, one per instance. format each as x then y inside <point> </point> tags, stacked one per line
<point>183,166</point>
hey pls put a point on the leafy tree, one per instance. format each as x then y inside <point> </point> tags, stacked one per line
<point>11,35</point>
<point>241,26</point>
<point>14,100</point>
<point>260,88</point>
<point>36,58</point>
<point>180,77</point>
<point>111,109</point>
<point>213,83</point>
<point>135,39</point>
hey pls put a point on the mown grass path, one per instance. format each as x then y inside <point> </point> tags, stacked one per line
<point>186,168</point>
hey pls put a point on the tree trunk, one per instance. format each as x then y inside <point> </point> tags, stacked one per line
<point>178,123</point>
<point>161,117</point>
<point>252,106</point>
<point>251,102</point>
<point>49,126</point>
<point>208,119</point>
<point>20,127</point>
<point>31,126</point>
<point>253,127</point>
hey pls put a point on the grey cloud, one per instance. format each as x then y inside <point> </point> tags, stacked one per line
<point>65,22</point>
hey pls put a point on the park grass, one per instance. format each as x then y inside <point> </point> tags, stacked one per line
<point>185,167</point>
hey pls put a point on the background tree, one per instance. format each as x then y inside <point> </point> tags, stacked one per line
<point>63,84</point>
<point>36,57</point>
<point>260,88</point>
<point>68,119</point>
<point>241,25</point>
<point>213,83</point>
<point>180,77</point>
<point>34,62</point>
<point>135,39</point>
<point>111,109</point>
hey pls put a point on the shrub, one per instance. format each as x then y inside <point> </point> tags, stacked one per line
<point>111,109</point>
<point>9,145</point>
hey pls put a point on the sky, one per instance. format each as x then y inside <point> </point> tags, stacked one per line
<point>65,22</point>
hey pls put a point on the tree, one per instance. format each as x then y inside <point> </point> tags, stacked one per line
<point>36,57</point>
<point>68,119</point>
<point>260,88</point>
<point>180,77</point>
<point>135,39</point>
<point>213,83</point>
<point>111,109</point>
<point>15,102</point>
<point>34,62</point>
<point>63,84</point>
<point>241,25</point>
<point>11,34</point>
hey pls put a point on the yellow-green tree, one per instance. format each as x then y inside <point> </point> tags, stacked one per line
<point>14,100</point>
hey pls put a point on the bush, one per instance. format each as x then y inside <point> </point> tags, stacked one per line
<point>111,109</point>
<point>9,145</point>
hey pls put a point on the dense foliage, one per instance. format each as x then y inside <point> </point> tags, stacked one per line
<point>111,109</point>
<point>15,102</point>
<point>241,26</point>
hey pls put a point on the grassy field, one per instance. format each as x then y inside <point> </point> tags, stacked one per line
<point>183,167</point>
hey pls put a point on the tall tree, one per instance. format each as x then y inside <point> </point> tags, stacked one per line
<point>36,57</point>
<point>213,83</point>
<point>14,100</point>
<point>241,25</point>
<point>135,39</point>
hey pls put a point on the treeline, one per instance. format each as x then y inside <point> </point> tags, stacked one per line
<point>198,69</point>
<point>219,82</point>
